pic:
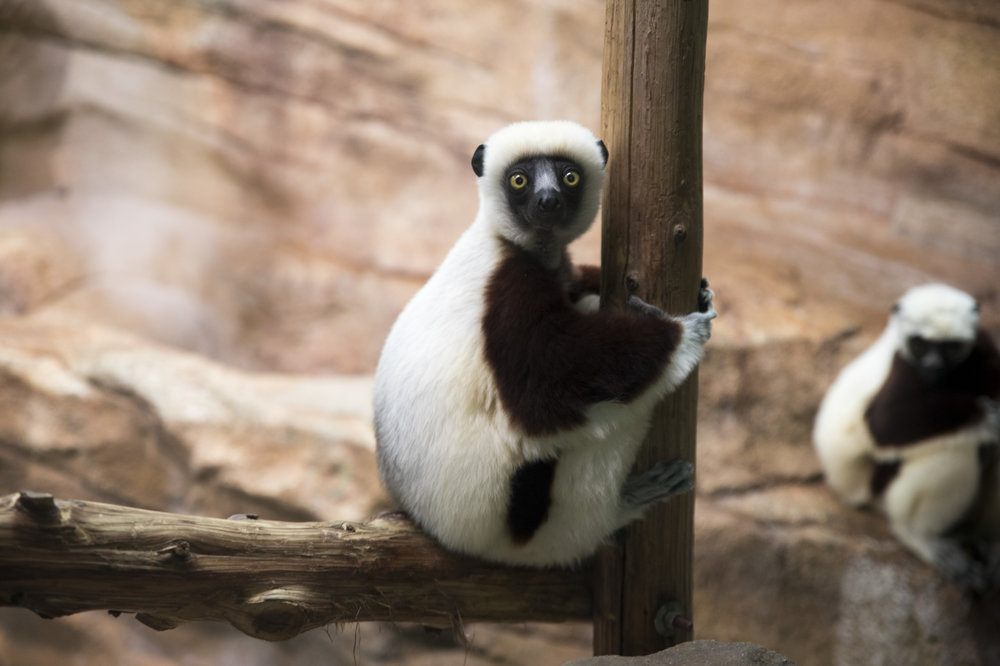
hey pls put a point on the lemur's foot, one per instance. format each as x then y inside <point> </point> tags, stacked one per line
<point>967,572</point>
<point>660,482</point>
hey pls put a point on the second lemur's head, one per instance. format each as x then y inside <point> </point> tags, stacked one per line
<point>937,327</point>
<point>540,184</point>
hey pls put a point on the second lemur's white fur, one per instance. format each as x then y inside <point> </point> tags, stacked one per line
<point>447,447</point>
<point>938,478</point>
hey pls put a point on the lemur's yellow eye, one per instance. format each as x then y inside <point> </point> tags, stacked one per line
<point>518,181</point>
<point>572,178</point>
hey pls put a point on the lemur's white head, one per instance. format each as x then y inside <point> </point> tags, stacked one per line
<point>936,326</point>
<point>540,183</point>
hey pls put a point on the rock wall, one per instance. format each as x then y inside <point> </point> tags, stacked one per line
<point>851,148</point>
<point>262,182</point>
<point>191,190</point>
<point>268,182</point>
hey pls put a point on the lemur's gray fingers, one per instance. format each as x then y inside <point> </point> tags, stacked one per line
<point>639,305</point>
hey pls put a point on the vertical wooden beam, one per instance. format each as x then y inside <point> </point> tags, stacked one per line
<point>654,74</point>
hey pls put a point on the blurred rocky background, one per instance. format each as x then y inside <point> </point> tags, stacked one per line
<point>212,210</point>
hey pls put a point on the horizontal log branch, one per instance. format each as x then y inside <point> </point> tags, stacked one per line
<point>272,580</point>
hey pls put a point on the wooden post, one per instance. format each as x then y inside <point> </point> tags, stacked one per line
<point>654,73</point>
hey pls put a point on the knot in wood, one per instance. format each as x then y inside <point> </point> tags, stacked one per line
<point>632,282</point>
<point>277,614</point>
<point>178,551</point>
<point>279,622</point>
<point>680,233</point>
<point>40,506</point>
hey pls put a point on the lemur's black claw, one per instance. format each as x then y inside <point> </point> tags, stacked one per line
<point>705,296</point>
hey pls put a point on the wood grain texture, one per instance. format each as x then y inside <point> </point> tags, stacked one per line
<point>654,65</point>
<point>270,579</point>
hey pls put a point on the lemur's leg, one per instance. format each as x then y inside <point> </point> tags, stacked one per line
<point>928,498</point>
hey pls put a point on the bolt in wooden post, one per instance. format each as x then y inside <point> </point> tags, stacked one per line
<point>654,74</point>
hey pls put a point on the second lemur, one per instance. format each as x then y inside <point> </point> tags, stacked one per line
<point>912,426</point>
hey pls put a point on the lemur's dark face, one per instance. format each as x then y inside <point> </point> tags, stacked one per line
<point>935,358</point>
<point>544,192</point>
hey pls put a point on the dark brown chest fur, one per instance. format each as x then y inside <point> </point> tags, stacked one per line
<point>908,409</point>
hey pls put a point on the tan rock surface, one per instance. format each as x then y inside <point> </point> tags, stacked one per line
<point>253,180</point>
<point>118,419</point>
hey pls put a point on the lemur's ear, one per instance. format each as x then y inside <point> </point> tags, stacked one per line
<point>477,159</point>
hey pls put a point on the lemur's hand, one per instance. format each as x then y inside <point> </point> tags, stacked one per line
<point>700,323</point>
<point>705,306</point>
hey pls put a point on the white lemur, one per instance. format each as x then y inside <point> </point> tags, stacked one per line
<point>912,427</point>
<point>508,410</point>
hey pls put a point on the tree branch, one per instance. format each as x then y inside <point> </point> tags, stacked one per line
<point>269,579</point>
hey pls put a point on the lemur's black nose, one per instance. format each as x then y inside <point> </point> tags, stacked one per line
<point>548,203</point>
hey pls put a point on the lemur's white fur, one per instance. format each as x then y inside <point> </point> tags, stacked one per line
<point>939,477</point>
<point>450,447</point>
